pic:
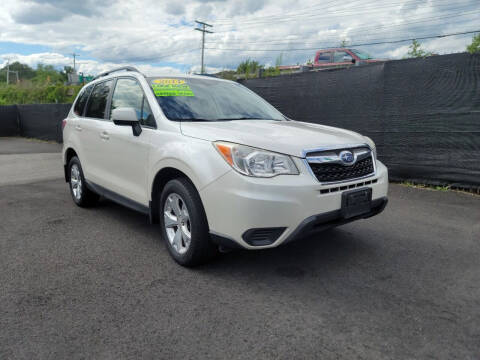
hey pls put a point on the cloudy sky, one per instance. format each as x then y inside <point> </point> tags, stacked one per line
<point>159,36</point>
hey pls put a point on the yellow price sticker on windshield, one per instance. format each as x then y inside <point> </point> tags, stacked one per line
<point>171,87</point>
<point>169,81</point>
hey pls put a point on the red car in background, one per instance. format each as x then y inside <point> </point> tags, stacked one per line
<point>338,57</point>
<point>342,56</point>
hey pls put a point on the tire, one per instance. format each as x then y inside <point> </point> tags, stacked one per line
<point>81,194</point>
<point>186,236</point>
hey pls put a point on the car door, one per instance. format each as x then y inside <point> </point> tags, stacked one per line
<point>76,121</point>
<point>125,156</point>
<point>342,58</point>
<point>91,126</point>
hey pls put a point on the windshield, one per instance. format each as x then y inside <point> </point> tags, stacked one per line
<point>361,54</point>
<point>193,99</point>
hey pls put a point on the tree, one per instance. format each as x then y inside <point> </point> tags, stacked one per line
<point>66,70</point>
<point>416,50</point>
<point>474,47</point>
<point>45,84</point>
<point>248,67</point>
<point>47,74</point>
<point>343,43</point>
<point>25,72</point>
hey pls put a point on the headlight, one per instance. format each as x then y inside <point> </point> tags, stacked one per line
<point>255,162</point>
<point>372,146</point>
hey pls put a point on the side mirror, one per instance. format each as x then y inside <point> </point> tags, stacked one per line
<point>127,116</point>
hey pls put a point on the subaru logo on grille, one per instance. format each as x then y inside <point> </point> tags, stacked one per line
<point>347,157</point>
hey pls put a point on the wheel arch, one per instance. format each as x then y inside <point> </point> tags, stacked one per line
<point>162,177</point>
<point>69,154</point>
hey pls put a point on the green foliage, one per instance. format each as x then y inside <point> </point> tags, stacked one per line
<point>42,85</point>
<point>474,47</point>
<point>43,74</point>
<point>426,186</point>
<point>416,51</point>
<point>271,71</point>
<point>24,72</point>
<point>48,74</point>
<point>343,43</point>
<point>252,68</point>
<point>37,94</point>
<point>249,67</point>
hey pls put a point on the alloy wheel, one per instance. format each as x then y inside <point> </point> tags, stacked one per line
<point>76,182</point>
<point>177,223</point>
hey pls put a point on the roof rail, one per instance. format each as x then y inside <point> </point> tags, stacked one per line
<point>123,68</point>
<point>208,75</point>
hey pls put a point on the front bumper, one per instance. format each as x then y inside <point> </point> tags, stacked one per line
<point>291,205</point>
<point>321,222</point>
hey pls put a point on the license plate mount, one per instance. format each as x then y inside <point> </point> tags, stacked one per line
<point>356,202</point>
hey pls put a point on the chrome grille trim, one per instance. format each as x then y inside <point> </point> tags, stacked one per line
<point>318,156</point>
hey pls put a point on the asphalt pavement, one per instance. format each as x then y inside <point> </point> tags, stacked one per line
<point>25,160</point>
<point>99,284</point>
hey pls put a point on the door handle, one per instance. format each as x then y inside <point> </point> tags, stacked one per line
<point>104,135</point>
<point>78,128</point>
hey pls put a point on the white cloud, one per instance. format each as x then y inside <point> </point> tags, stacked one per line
<point>144,32</point>
<point>85,66</point>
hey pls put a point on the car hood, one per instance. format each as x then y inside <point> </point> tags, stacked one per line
<point>287,137</point>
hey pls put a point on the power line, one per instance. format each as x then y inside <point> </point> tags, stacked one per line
<point>355,45</point>
<point>368,29</point>
<point>370,6</point>
<point>326,15</point>
<point>180,51</point>
<point>226,21</point>
<point>203,30</point>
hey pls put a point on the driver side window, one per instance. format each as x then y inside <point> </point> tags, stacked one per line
<point>128,93</point>
<point>341,56</point>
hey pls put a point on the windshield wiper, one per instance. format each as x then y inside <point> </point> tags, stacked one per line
<point>222,119</point>
<point>191,119</point>
<point>247,118</point>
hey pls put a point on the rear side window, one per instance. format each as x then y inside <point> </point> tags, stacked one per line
<point>324,57</point>
<point>128,93</point>
<point>98,100</point>
<point>82,100</point>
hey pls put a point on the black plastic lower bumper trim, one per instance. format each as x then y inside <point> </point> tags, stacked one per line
<point>321,222</point>
<point>224,241</point>
<point>262,236</point>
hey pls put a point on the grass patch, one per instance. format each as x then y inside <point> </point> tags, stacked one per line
<point>439,187</point>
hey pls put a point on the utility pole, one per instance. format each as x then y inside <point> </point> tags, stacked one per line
<point>74,56</point>
<point>203,30</point>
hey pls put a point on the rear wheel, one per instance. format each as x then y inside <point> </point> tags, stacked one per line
<point>81,195</point>
<point>184,224</point>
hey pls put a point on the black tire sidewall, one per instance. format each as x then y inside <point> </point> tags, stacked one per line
<point>89,198</point>
<point>75,160</point>
<point>200,241</point>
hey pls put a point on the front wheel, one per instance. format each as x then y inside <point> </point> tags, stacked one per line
<point>184,224</point>
<point>81,195</point>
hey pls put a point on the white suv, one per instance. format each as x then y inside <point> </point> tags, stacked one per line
<point>214,164</point>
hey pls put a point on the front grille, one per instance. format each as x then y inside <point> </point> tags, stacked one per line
<point>331,172</point>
